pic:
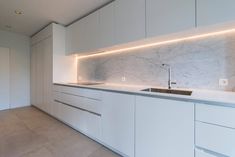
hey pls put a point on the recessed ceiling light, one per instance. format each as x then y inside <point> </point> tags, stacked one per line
<point>18,12</point>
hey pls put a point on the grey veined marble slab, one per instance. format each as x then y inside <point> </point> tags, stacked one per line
<point>195,64</point>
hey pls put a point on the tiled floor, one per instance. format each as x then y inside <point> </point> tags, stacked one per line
<point>28,132</point>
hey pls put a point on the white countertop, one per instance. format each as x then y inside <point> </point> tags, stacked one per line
<point>198,96</point>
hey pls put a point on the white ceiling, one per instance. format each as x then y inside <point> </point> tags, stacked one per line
<point>39,13</point>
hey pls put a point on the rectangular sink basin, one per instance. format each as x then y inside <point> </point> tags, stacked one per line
<point>169,91</point>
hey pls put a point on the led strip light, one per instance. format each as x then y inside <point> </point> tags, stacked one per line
<point>156,44</point>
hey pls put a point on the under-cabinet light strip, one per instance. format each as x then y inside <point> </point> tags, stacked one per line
<point>156,44</point>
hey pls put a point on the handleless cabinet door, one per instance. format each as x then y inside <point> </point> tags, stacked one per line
<point>83,35</point>
<point>164,128</point>
<point>118,122</point>
<point>169,16</point>
<point>33,74</point>
<point>40,76</point>
<point>129,20</point>
<point>47,74</point>
<point>106,26</point>
<point>215,11</point>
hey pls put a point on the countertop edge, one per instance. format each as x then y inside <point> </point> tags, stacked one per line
<point>155,95</point>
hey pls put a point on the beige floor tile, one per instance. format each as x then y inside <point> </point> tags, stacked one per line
<point>104,152</point>
<point>28,132</point>
<point>39,152</point>
<point>20,142</point>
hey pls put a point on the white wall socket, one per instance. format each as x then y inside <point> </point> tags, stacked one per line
<point>123,78</point>
<point>223,82</point>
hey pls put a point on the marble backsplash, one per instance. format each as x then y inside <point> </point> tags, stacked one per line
<point>198,63</point>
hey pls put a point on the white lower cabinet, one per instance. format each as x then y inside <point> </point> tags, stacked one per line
<point>217,139</point>
<point>80,112</point>
<point>118,122</point>
<point>83,121</point>
<point>215,129</point>
<point>200,153</point>
<point>164,128</point>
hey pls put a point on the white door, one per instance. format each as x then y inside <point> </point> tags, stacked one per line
<point>4,78</point>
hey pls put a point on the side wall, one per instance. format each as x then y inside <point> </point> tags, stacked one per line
<point>19,46</point>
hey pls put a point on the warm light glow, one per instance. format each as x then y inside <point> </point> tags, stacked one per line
<point>157,43</point>
<point>125,85</point>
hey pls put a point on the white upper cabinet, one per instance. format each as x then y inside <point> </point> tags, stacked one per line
<point>83,36</point>
<point>164,128</point>
<point>129,20</point>
<point>169,16</point>
<point>215,11</point>
<point>106,26</point>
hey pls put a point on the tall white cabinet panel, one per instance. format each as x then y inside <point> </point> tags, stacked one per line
<point>4,78</point>
<point>118,122</point>
<point>33,73</point>
<point>47,74</point>
<point>169,16</point>
<point>164,128</point>
<point>215,11</point>
<point>40,75</point>
<point>106,26</point>
<point>129,20</point>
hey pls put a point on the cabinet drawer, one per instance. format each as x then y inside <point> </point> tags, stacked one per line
<point>215,138</point>
<point>79,102</point>
<point>199,153</point>
<point>87,123</point>
<point>224,116</point>
<point>88,93</point>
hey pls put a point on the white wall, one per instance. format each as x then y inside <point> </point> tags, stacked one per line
<point>19,46</point>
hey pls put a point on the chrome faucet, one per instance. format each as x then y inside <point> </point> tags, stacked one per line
<point>169,75</point>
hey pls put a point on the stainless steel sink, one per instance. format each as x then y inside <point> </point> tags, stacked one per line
<point>169,91</point>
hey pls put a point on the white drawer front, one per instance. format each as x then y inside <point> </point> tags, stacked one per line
<point>224,116</point>
<point>89,93</point>
<point>80,102</point>
<point>200,153</point>
<point>88,123</point>
<point>215,138</point>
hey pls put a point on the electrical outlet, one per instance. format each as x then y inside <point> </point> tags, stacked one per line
<point>123,78</point>
<point>223,82</point>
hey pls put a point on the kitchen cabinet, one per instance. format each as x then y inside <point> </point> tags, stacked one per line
<point>201,153</point>
<point>106,26</point>
<point>41,75</point>
<point>216,132</point>
<point>215,139</point>
<point>219,115</point>
<point>169,16</point>
<point>118,122</point>
<point>129,16</point>
<point>164,128</point>
<point>211,12</point>
<point>79,108</point>
<point>83,35</point>
<point>46,47</point>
